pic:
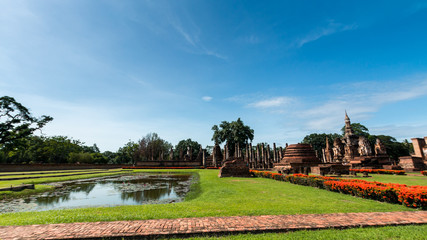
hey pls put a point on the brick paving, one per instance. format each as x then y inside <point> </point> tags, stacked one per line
<point>183,227</point>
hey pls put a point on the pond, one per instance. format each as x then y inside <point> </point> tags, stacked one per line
<point>136,189</point>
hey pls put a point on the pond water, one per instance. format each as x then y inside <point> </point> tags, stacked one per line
<point>134,189</point>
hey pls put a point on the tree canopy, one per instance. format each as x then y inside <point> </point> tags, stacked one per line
<point>183,144</point>
<point>151,146</point>
<point>318,141</point>
<point>358,129</point>
<point>232,133</point>
<point>16,122</point>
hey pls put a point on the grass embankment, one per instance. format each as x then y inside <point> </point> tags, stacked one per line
<point>401,179</point>
<point>42,188</point>
<point>34,176</point>
<point>214,196</point>
<point>410,232</point>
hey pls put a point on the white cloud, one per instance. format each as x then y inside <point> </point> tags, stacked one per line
<point>272,102</point>
<point>331,28</point>
<point>361,100</point>
<point>206,98</point>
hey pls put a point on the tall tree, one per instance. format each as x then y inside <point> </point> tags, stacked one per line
<point>151,146</point>
<point>183,144</point>
<point>16,122</point>
<point>232,133</point>
<point>358,129</point>
<point>318,141</point>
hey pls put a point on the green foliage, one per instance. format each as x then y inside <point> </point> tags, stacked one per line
<point>80,158</point>
<point>151,146</point>
<point>182,146</point>
<point>318,141</point>
<point>16,122</point>
<point>232,133</point>
<point>127,154</point>
<point>43,150</point>
<point>358,129</point>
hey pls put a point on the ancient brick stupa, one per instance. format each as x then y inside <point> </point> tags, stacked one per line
<point>298,158</point>
<point>234,168</point>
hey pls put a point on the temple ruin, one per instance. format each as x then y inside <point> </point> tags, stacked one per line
<point>355,150</point>
<point>417,161</point>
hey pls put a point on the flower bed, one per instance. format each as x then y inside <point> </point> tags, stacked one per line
<point>424,173</point>
<point>410,196</point>
<point>379,171</point>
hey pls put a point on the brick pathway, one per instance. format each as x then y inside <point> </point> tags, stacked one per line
<point>193,226</point>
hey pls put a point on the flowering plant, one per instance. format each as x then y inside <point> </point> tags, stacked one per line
<point>410,196</point>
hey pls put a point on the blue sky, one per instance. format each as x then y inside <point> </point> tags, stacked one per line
<point>113,71</point>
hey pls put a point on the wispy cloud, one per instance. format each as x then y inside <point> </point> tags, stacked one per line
<point>320,32</point>
<point>361,100</point>
<point>207,98</point>
<point>272,102</point>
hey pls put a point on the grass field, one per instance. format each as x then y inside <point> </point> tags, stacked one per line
<point>213,196</point>
<point>402,179</point>
<point>409,232</point>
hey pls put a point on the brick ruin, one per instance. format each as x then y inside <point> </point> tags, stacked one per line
<point>355,151</point>
<point>417,161</point>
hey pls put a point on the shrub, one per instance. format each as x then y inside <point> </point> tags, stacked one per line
<point>410,196</point>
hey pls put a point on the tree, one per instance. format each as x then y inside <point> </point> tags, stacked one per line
<point>151,146</point>
<point>358,129</point>
<point>232,133</point>
<point>128,153</point>
<point>16,122</point>
<point>318,141</point>
<point>394,148</point>
<point>40,149</point>
<point>182,146</point>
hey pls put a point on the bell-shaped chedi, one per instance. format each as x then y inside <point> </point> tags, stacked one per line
<point>298,157</point>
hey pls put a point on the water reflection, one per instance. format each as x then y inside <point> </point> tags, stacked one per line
<point>109,191</point>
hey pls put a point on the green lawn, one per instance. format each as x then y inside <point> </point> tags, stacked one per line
<point>402,179</point>
<point>214,196</point>
<point>410,232</point>
<point>51,174</point>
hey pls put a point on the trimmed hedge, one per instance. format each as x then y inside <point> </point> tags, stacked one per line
<point>410,196</point>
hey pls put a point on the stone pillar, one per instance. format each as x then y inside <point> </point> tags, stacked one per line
<point>251,156</point>
<point>418,144</point>
<point>269,163</point>
<point>204,157</point>
<point>214,156</point>
<point>181,155</point>
<point>274,153</point>
<point>280,154</point>
<point>171,154</point>
<point>258,158</point>
<point>247,154</point>
<point>263,156</point>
